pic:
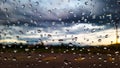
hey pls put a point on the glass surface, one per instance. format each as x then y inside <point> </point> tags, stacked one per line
<point>59,33</point>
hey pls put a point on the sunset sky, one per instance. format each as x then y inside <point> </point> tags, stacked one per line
<point>80,22</point>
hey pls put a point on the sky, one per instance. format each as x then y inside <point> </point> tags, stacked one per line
<point>80,22</point>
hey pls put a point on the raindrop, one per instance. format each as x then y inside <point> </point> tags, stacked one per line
<point>36,3</point>
<point>99,40</point>
<point>14,59</point>
<point>86,3</point>
<point>23,6</point>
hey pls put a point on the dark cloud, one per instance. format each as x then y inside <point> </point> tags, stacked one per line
<point>21,12</point>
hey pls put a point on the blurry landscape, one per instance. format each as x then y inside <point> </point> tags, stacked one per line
<point>63,48</point>
<point>61,56</point>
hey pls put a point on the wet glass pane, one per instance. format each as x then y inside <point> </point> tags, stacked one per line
<point>59,33</point>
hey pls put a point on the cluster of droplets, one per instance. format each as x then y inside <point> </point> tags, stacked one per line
<point>68,55</point>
